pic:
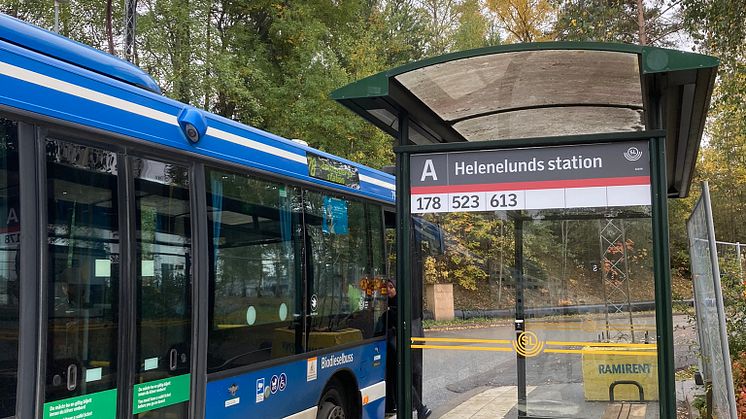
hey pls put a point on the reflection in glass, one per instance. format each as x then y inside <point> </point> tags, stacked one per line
<point>83,240</point>
<point>254,266</point>
<point>591,305</point>
<point>163,276</point>
<point>9,266</point>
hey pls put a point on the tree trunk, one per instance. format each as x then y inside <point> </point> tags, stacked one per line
<point>182,53</point>
<point>109,31</point>
<point>641,22</point>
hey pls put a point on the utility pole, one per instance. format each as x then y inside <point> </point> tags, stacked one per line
<point>57,15</point>
<point>130,15</point>
<point>109,29</point>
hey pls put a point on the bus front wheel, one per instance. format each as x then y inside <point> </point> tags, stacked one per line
<point>332,405</point>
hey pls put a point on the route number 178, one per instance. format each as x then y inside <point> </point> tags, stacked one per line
<point>425,203</point>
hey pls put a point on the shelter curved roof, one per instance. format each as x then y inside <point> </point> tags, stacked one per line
<point>551,89</point>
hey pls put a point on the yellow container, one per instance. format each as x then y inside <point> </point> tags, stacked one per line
<point>602,366</point>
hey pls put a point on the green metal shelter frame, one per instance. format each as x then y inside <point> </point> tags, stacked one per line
<point>545,94</point>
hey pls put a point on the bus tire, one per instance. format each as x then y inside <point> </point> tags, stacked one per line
<point>333,404</point>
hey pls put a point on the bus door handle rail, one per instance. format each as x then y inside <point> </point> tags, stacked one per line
<point>72,377</point>
<point>173,359</point>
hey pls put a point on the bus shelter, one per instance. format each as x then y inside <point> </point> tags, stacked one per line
<point>532,187</point>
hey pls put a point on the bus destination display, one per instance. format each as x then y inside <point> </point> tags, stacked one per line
<point>578,176</point>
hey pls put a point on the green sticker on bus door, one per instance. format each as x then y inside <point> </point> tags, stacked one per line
<point>161,393</point>
<point>101,405</point>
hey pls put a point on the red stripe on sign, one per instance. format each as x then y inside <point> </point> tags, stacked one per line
<point>540,184</point>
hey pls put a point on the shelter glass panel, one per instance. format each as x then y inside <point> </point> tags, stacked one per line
<point>589,313</point>
<point>536,271</point>
<point>543,313</point>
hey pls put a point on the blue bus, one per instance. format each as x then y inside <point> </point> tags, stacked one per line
<point>159,261</point>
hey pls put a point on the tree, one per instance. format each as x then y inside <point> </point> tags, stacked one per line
<point>441,18</point>
<point>474,29</point>
<point>523,20</point>
<point>719,28</point>
<point>660,22</point>
<point>82,20</point>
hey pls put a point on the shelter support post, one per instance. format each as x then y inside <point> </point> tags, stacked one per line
<point>662,269</point>
<point>520,318</point>
<point>404,276</point>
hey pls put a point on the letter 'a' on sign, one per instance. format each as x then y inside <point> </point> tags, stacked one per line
<point>603,175</point>
<point>428,171</point>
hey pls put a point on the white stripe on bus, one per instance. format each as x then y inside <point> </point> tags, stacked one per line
<point>125,105</point>
<point>378,182</point>
<point>85,93</point>
<point>372,393</point>
<point>237,139</point>
<point>306,414</point>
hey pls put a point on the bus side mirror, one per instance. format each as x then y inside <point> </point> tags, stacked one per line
<point>193,124</point>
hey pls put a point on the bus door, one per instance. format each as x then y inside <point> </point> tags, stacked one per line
<point>118,338</point>
<point>163,292</point>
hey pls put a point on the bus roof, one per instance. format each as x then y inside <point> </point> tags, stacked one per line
<point>49,43</point>
<point>55,77</point>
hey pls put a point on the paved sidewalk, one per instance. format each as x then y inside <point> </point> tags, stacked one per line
<point>493,403</point>
<point>490,404</point>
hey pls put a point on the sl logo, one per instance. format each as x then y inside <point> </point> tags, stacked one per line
<point>528,344</point>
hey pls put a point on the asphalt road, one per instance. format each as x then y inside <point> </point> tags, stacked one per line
<point>452,376</point>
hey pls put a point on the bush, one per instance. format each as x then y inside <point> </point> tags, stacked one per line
<point>739,384</point>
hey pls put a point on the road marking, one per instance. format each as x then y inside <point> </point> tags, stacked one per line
<point>463,348</point>
<point>608,344</point>
<point>592,352</point>
<point>503,341</point>
<point>612,348</point>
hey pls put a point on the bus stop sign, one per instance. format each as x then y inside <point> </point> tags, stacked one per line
<point>575,176</point>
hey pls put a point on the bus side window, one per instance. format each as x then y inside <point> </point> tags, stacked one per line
<point>254,230</point>
<point>345,243</point>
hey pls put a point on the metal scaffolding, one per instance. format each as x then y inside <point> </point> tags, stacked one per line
<point>130,22</point>
<point>616,281</point>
